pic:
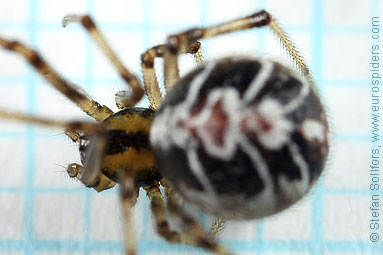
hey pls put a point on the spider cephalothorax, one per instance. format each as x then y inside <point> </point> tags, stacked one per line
<point>127,144</point>
<point>240,137</point>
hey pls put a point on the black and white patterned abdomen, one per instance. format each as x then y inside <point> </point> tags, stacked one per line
<point>242,138</point>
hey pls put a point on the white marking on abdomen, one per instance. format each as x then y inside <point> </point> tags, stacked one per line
<point>296,188</point>
<point>259,80</point>
<point>313,130</point>
<point>298,101</point>
<point>200,174</point>
<point>265,199</point>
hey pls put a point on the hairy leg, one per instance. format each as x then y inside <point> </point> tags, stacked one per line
<point>150,78</point>
<point>129,195</point>
<point>137,91</point>
<point>180,41</point>
<point>73,93</point>
<point>100,183</point>
<point>94,154</point>
<point>194,234</point>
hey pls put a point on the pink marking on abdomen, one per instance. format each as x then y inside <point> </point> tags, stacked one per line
<point>215,125</point>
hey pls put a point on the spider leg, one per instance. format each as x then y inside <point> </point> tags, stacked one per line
<point>150,79</point>
<point>73,135</point>
<point>218,224</point>
<point>169,192</point>
<point>182,40</point>
<point>100,183</point>
<point>137,91</point>
<point>76,95</point>
<point>217,228</point>
<point>129,195</point>
<point>159,212</point>
<point>194,234</point>
<point>94,153</point>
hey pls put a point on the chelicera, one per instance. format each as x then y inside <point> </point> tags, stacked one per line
<point>242,138</point>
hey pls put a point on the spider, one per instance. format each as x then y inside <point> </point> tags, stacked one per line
<point>241,137</point>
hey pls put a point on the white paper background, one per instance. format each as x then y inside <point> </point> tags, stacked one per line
<point>45,212</point>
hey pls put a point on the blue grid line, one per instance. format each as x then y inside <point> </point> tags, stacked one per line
<point>253,247</point>
<point>325,191</point>
<point>43,190</point>
<point>345,83</point>
<point>105,81</point>
<point>110,191</point>
<point>166,27</point>
<point>30,141</point>
<point>352,137</point>
<point>317,67</point>
<point>9,134</point>
<point>347,30</point>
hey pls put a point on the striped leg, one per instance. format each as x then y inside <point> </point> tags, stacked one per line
<point>217,228</point>
<point>100,183</point>
<point>77,96</point>
<point>127,99</point>
<point>129,195</point>
<point>150,79</point>
<point>159,212</point>
<point>194,234</point>
<point>94,153</point>
<point>219,223</point>
<point>169,192</point>
<point>182,40</point>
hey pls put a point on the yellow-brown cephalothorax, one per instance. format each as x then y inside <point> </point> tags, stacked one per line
<point>128,147</point>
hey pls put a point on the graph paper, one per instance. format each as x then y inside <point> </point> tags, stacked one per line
<point>43,211</point>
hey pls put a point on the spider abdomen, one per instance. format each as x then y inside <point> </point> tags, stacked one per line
<point>242,138</point>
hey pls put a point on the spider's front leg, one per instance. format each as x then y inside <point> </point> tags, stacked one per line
<point>178,42</point>
<point>126,99</point>
<point>96,148</point>
<point>76,95</point>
